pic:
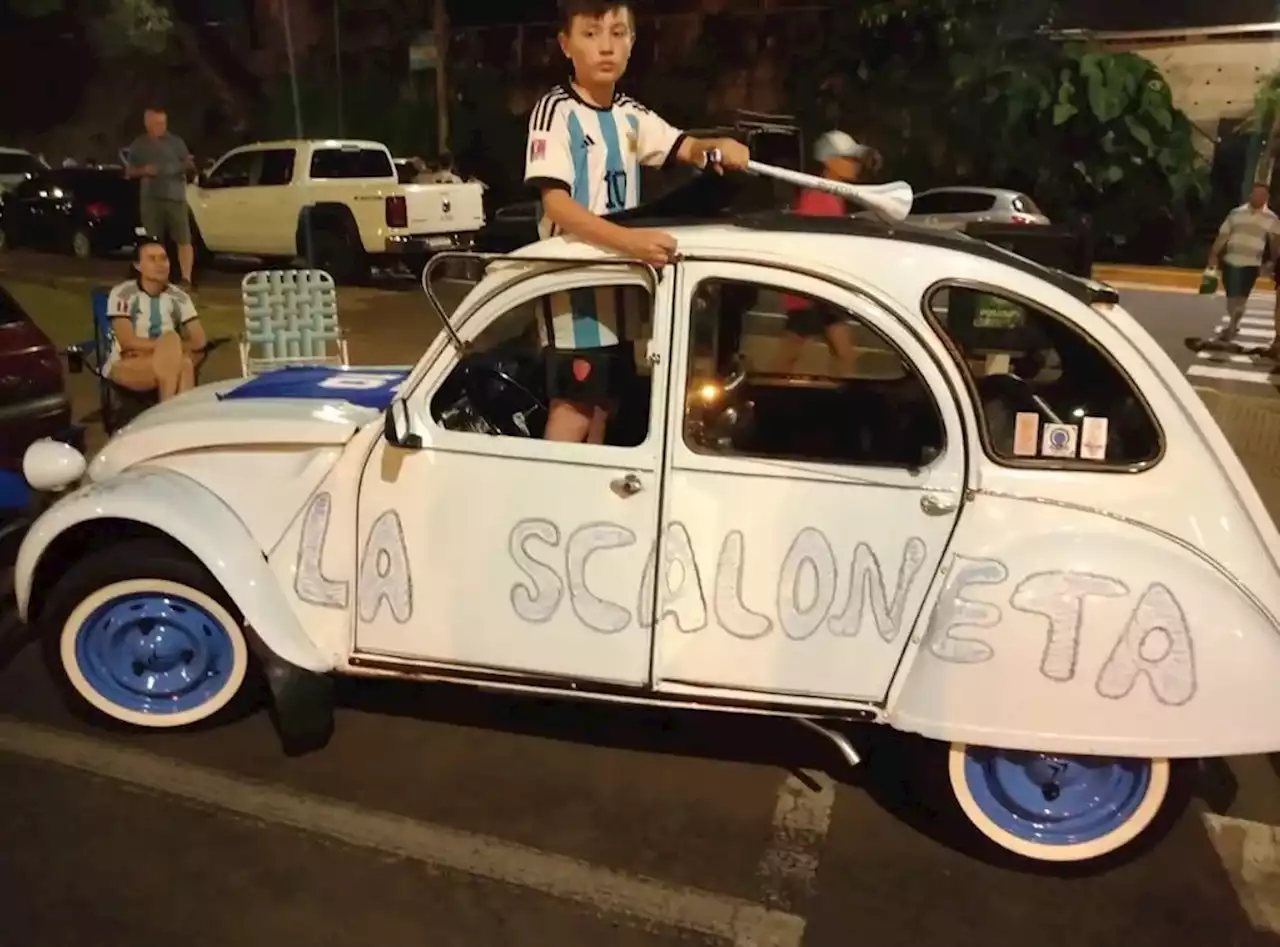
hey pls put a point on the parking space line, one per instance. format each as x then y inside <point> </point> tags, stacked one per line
<point>801,820</point>
<point>649,902</point>
<point>1250,852</point>
<point>1263,377</point>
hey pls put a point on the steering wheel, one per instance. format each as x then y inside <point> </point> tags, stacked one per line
<point>506,403</point>
<point>1013,391</point>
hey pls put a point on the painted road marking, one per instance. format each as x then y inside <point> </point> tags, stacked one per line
<point>1250,852</point>
<point>649,902</point>
<point>1264,377</point>
<point>801,819</point>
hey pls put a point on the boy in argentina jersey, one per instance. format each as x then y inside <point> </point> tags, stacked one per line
<point>587,143</point>
<point>156,334</point>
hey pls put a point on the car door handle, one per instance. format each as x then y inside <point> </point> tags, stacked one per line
<point>627,486</point>
<point>938,504</point>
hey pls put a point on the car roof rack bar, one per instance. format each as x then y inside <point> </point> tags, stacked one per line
<point>485,259</point>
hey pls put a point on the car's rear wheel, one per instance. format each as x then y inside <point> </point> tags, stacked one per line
<point>1056,808</point>
<point>141,634</point>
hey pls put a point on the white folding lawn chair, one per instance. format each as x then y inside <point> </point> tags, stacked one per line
<point>290,318</point>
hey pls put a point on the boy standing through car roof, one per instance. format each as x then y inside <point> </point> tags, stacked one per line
<point>586,145</point>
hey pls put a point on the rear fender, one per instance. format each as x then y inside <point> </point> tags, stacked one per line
<point>1110,639</point>
<point>191,515</point>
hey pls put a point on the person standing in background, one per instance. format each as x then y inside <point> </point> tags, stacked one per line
<point>1242,241</point>
<point>163,163</point>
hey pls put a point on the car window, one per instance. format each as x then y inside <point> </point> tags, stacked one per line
<point>234,171</point>
<point>10,311</point>
<point>952,202</point>
<point>1025,205</point>
<point>500,386</point>
<point>276,167</point>
<point>777,375</point>
<point>1047,394</point>
<point>13,162</point>
<point>341,163</point>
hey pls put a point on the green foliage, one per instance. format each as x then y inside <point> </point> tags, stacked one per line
<point>116,27</point>
<point>977,91</point>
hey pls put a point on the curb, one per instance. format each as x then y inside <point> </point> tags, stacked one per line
<point>1161,276</point>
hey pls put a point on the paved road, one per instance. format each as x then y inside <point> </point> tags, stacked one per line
<point>446,816</point>
<point>1171,316</point>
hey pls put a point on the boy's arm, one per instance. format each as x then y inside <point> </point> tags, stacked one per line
<point>660,143</point>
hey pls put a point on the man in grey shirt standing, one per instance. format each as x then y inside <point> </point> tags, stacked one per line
<point>163,163</point>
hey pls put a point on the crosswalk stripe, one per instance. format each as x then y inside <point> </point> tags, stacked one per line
<point>1234,374</point>
<point>1250,853</point>
<point>1227,357</point>
<point>1261,324</point>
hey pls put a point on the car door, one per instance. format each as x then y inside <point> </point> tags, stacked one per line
<point>219,203</point>
<point>520,554</point>
<point>272,204</point>
<point>807,505</point>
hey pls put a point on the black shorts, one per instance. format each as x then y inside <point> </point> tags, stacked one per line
<point>1238,281</point>
<point>812,320</point>
<point>596,377</point>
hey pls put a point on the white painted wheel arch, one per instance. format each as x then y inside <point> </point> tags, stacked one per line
<point>1150,806</point>
<point>69,632</point>
<point>197,519</point>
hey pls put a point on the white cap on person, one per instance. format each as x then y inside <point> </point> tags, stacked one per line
<point>837,144</point>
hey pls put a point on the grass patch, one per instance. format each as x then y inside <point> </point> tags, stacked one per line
<point>64,313</point>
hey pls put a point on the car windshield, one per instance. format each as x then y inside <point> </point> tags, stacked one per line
<point>19,162</point>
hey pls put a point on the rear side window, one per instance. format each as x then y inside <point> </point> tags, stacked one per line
<point>1025,205</point>
<point>953,202</point>
<point>1047,394</point>
<point>10,311</point>
<point>19,163</point>
<point>343,163</point>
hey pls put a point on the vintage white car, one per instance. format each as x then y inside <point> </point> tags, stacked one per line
<point>1009,526</point>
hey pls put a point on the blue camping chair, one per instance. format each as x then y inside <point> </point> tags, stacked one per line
<point>290,318</point>
<point>118,405</point>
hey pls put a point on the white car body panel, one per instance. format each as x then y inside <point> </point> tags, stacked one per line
<point>201,522</point>
<point>518,561</point>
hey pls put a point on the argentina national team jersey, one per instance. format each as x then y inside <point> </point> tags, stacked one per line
<point>595,154</point>
<point>151,316</point>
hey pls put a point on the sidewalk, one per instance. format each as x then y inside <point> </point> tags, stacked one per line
<point>1252,425</point>
<point>1159,276</point>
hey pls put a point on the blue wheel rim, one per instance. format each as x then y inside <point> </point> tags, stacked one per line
<point>154,653</point>
<point>1056,800</point>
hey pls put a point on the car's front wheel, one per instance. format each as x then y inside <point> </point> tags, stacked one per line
<point>1060,809</point>
<point>140,633</point>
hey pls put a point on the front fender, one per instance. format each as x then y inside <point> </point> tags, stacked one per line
<point>196,518</point>
<point>1089,635</point>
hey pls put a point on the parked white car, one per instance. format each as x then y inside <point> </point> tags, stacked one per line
<point>339,204</point>
<point>955,207</point>
<point>18,165</point>
<point>982,535</point>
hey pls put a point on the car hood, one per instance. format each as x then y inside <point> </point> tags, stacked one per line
<point>294,407</point>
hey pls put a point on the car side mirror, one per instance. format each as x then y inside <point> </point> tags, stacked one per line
<point>397,426</point>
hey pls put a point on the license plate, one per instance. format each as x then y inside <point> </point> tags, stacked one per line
<point>439,243</point>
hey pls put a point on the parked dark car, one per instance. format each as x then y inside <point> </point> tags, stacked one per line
<point>33,404</point>
<point>81,211</point>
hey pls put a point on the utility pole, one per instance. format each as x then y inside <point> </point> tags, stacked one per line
<point>440,26</point>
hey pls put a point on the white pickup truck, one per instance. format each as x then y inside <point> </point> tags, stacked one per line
<point>336,203</point>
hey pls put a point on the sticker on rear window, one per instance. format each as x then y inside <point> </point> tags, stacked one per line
<point>1026,434</point>
<point>1093,439</point>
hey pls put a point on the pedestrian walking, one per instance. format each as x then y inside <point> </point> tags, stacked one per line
<point>163,164</point>
<point>1242,241</point>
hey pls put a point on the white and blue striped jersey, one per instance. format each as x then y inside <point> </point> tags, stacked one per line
<point>595,154</point>
<point>594,317</point>
<point>151,316</point>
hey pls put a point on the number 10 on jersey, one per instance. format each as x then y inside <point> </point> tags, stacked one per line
<point>615,188</point>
